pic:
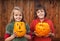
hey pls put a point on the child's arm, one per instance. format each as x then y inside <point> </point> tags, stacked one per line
<point>27,35</point>
<point>52,30</point>
<point>32,28</point>
<point>9,29</point>
<point>10,38</point>
<point>52,33</point>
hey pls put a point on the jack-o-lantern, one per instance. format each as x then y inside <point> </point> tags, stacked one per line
<point>19,29</point>
<point>42,29</point>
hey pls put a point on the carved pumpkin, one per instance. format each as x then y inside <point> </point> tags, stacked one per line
<point>42,29</point>
<point>19,29</point>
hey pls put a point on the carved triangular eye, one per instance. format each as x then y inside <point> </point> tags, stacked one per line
<point>40,25</point>
<point>21,23</point>
<point>17,24</point>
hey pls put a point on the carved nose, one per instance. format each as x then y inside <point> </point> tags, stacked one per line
<point>19,27</point>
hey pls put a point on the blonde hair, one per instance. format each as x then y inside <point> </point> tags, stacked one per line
<point>12,13</point>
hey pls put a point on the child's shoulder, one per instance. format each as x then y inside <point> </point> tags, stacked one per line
<point>34,20</point>
<point>10,24</point>
<point>49,21</point>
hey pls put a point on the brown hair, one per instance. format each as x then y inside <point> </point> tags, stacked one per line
<point>39,7</point>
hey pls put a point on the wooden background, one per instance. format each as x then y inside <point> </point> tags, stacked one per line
<point>52,7</point>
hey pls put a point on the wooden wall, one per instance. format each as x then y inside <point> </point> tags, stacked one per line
<point>52,8</point>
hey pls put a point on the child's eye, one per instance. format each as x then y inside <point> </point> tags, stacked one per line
<point>42,11</point>
<point>20,15</point>
<point>37,12</point>
<point>16,15</point>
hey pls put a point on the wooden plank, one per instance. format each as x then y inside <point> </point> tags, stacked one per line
<point>0,20</point>
<point>3,18</point>
<point>26,10</point>
<point>31,11</point>
<point>10,5</point>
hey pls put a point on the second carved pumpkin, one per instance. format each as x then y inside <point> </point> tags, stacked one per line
<point>42,29</point>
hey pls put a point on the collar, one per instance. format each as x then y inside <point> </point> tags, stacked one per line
<point>43,20</point>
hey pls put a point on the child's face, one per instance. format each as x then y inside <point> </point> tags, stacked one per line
<point>40,13</point>
<point>17,15</point>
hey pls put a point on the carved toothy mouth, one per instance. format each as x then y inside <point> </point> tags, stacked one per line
<point>20,31</point>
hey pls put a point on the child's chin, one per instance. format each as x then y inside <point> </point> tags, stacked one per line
<point>41,18</point>
<point>18,20</point>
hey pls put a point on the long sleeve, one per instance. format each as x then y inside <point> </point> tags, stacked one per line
<point>52,27</point>
<point>28,28</point>
<point>32,26</point>
<point>9,30</point>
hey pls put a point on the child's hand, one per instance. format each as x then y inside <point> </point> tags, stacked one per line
<point>36,34</point>
<point>10,38</point>
<point>50,34</point>
<point>27,36</point>
<point>13,36</point>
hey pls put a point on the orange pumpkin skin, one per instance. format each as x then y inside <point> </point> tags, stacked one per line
<point>19,29</point>
<point>42,29</point>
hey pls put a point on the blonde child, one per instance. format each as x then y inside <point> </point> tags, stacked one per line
<point>16,16</point>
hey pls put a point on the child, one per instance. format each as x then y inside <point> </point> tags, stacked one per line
<point>40,16</point>
<point>16,16</point>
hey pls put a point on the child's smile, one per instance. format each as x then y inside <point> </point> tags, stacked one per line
<point>40,13</point>
<point>17,15</point>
